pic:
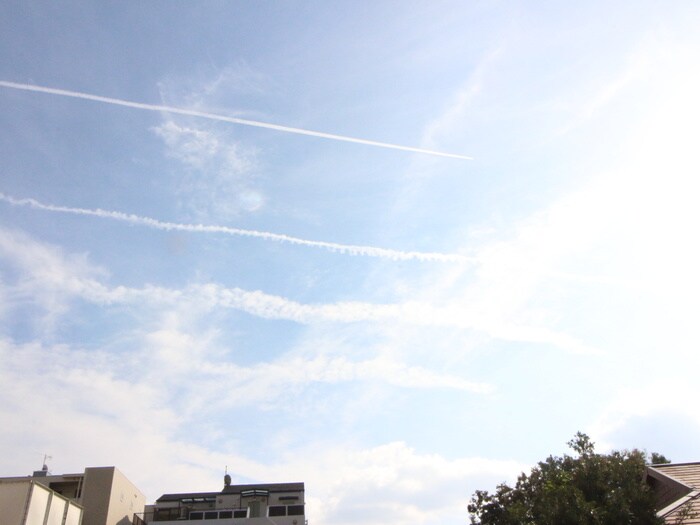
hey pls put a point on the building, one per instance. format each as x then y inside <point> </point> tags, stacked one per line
<point>234,505</point>
<point>104,494</point>
<point>677,490</point>
<point>27,502</point>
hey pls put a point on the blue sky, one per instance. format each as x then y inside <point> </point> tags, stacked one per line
<point>397,329</point>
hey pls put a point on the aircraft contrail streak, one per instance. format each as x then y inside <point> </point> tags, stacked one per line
<point>350,249</point>
<point>222,118</point>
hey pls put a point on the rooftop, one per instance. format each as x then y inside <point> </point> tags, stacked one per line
<point>678,488</point>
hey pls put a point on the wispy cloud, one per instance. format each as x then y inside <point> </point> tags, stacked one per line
<point>393,479</point>
<point>349,249</point>
<point>197,147</point>
<point>209,296</point>
<point>193,368</point>
<point>455,116</point>
<point>99,391</point>
<point>219,172</point>
<point>339,369</point>
<point>222,118</point>
<point>43,276</point>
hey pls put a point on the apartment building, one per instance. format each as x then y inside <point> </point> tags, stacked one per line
<point>256,504</point>
<point>27,502</point>
<point>103,494</point>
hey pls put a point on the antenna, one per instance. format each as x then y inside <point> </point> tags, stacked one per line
<point>44,466</point>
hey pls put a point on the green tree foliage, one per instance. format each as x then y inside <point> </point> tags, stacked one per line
<point>658,459</point>
<point>586,489</point>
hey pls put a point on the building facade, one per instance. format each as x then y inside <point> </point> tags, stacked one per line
<point>27,502</point>
<point>279,503</point>
<point>105,495</point>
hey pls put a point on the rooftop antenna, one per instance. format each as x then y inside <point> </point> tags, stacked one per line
<point>227,478</point>
<point>44,466</point>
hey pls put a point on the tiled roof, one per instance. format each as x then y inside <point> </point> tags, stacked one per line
<point>687,513</point>
<point>686,473</point>
<point>686,508</point>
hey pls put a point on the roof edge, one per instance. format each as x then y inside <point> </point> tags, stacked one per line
<point>672,478</point>
<point>677,504</point>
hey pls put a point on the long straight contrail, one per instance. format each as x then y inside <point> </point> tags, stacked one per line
<point>222,118</point>
<point>350,249</point>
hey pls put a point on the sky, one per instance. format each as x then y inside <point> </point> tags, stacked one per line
<point>399,251</point>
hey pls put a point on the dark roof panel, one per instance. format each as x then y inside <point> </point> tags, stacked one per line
<point>271,487</point>
<point>235,489</point>
<point>178,497</point>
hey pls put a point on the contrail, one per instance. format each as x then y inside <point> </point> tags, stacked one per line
<point>350,249</point>
<point>223,118</point>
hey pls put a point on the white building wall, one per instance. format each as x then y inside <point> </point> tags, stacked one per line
<point>279,520</point>
<point>57,508</point>
<point>38,503</point>
<point>26,502</point>
<point>73,515</point>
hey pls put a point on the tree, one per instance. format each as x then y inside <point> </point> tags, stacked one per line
<point>588,489</point>
<point>658,459</point>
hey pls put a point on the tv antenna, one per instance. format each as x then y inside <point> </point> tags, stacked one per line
<point>44,466</point>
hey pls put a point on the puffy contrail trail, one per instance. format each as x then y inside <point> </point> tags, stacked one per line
<point>350,249</point>
<point>222,118</point>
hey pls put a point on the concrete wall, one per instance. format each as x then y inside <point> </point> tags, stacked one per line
<point>125,500</point>
<point>25,502</point>
<point>109,497</point>
<point>97,487</point>
<point>13,500</point>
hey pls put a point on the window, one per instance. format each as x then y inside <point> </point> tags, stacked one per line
<point>166,514</point>
<point>196,515</point>
<point>255,492</point>
<point>277,510</point>
<point>240,513</point>
<point>285,510</point>
<point>211,515</point>
<point>225,514</point>
<point>295,510</point>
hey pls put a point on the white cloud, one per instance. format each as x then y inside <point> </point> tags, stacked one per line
<point>219,180</point>
<point>368,251</point>
<point>90,408</point>
<point>454,117</point>
<point>215,88</point>
<point>44,276</point>
<point>393,483</point>
<point>47,272</point>
<point>193,147</point>
<point>268,306</point>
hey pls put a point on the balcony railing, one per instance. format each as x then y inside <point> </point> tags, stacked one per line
<point>185,514</point>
